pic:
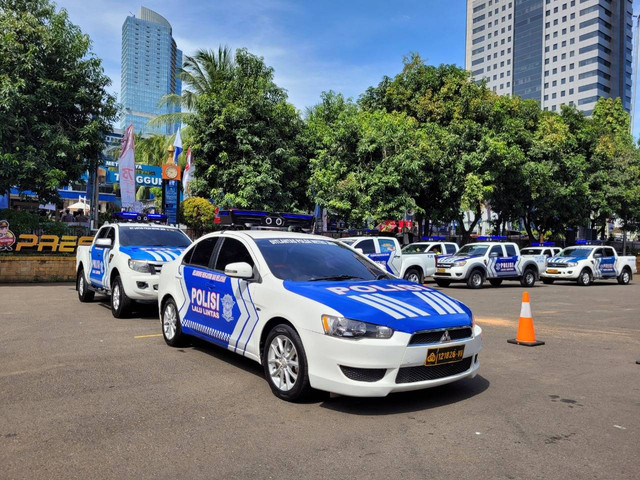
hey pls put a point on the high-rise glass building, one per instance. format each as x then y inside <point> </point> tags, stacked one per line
<point>150,65</point>
<point>555,51</point>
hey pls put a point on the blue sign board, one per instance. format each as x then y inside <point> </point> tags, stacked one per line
<point>171,193</point>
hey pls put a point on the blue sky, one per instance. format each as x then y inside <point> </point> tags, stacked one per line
<point>344,45</point>
<point>313,46</point>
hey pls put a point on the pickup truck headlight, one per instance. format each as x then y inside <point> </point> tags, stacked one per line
<point>347,328</point>
<point>460,264</point>
<point>571,264</point>
<point>140,266</point>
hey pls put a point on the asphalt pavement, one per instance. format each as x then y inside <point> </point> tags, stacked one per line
<point>85,395</point>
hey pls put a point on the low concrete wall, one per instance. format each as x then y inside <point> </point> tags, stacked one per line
<point>22,268</point>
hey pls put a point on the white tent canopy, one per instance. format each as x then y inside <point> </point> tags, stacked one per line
<point>79,206</point>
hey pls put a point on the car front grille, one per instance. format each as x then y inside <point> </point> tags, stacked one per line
<point>157,267</point>
<point>422,373</point>
<point>434,336</point>
<point>363,374</point>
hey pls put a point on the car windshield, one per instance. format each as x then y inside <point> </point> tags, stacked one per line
<point>416,248</point>
<point>472,250</point>
<point>140,236</point>
<point>575,252</point>
<point>349,242</point>
<point>530,251</point>
<point>302,260</point>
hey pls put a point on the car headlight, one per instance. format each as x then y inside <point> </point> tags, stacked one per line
<point>572,264</point>
<point>140,266</point>
<point>461,264</point>
<point>347,328</point>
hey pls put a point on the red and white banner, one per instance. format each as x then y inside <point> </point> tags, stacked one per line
<point>187,176</point>
<point>127,169</point>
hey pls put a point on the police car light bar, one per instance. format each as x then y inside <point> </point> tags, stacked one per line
<point>492,238</point>
<point>432,239</point>
<point>258,218</point>
<point>588,242</point>
<point>544,244</point>
<point>139,217</point>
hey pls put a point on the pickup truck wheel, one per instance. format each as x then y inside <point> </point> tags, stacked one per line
<point>120,303</point>
<point>84,294</point>
<point>495,282</point>
<point>585,278</point>
<point>171,326</point>
<point>413,275</point>
<point>476,279</point>
<point>443,283</point>
<point>625,277</point>
<point>528,278</point>
<point>548,281</point>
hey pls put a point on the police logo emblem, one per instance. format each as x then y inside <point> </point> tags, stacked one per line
<point>227,307</point>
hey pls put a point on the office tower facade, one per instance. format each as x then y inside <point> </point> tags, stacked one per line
<point>150,65</point>
<point>554,51</point>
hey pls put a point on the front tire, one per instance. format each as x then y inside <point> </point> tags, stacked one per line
<point>476,279</point>
<point>285,364</point>
<point>585,278</point>
<point>120,303</point>
<point>84,294</point>
<point>171,326</point>
<point>548,281</point>
<point>528,278</point>
<point>625,277</point>
<point>413,275</point>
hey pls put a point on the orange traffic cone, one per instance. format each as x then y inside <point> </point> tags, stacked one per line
<point>526,335</point>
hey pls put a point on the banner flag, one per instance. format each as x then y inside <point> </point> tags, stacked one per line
<point>127,169</point>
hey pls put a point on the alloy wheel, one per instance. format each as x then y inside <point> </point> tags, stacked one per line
<point>283,363</point>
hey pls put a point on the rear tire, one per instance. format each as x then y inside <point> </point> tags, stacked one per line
<point>285,364</point>
<point>442,283</point>
<point>120,303</point>
<point>495,282</point>
<point>625,277</point>
<point>82,286</point>
<point>585,278</point>
<point>548,281</point>
<point>413,275</point>
<point>171,326</point>
<point>476,279</point>
<point>528,278</point>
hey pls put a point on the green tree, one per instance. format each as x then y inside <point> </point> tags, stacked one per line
<point>198,213</point>
<point>201,73</point>
<point>364,165</point>
<point>247,142</point>
<point>54,105</point>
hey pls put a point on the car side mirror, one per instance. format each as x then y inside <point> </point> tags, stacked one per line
<point>493,254</point>
<point>597,255</point>
<point>103,242</point>
<point>239,270</point>
<point>359,250</point>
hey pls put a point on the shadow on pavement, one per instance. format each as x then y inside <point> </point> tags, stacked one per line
<point>410,401</point>
<point>226,356</point>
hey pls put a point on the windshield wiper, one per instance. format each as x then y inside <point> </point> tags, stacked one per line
<point>335,277</point>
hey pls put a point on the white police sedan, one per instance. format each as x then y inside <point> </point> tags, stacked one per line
<point>316,314</point>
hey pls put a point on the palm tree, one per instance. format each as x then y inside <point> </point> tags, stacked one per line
<point>200,74</point>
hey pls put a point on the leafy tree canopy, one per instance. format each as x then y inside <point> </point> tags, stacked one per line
<point>53,100</point>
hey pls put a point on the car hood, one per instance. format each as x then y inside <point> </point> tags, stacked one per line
<point>398,304</point>
<point>453,259</point>
<point>153,254</point>
<point>561,260</point>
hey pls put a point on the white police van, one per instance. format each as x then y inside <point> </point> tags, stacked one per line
<point>315,313</point>
<point>584,263</point>
<point>125,259</point>
<point>494,261</point>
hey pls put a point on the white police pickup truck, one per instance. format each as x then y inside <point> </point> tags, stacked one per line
<point>386,252</point>
<point>125,259</point>
<point>494,261</point>
<point>584,263</point>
